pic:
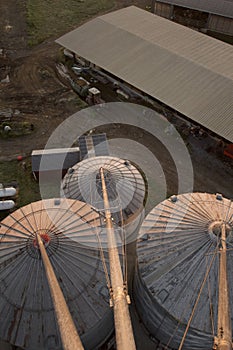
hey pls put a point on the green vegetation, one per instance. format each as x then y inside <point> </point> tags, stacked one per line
<point>18,173</point>
<point>47,18</point>
<point>15,129</point>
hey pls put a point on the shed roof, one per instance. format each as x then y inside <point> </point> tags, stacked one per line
<point>52,151</point>
<point>54,159</point>
<point>184,69</point>
<point>217,7</point>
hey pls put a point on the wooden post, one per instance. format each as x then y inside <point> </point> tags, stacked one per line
<point>69,334</point>
<point>123,326</point>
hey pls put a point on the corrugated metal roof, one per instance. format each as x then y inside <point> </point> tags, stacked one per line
<point>125,185</point>
<point>26,310</point>
<point>179,243</point>
<point>217,7</point>
<point>93,145</point>
<point>184,69</point>
<point>54,159</point>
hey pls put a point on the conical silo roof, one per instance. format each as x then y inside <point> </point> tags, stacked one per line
<point>125,185</point>
<point>177,250</point>
<point>68,229</point>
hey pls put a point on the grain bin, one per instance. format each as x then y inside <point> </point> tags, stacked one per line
<point>26,310</point>
<point>125,186</point>
<point>177,270</point>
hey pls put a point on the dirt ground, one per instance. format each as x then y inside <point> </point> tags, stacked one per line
<point>34,93</point>
<point>31,91</point>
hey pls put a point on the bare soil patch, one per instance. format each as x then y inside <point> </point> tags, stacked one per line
<point>30,89</point>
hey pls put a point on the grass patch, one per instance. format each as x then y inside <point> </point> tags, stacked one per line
<point>46,18</point>
<point>16,129</point>
<point>14,173</point>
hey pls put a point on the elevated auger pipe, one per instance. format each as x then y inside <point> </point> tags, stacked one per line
<point>224,336</point>
<point>69,334</point>
<point>123,326</point>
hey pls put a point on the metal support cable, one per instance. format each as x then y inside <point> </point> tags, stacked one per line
<point>186,306</point>
<point>103,261</point>
<point>197,300</point>
<point>211,306</point>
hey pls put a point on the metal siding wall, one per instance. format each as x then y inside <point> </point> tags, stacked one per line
<point>220,24</point>
<point>163,10</point>
<point>218,7</point>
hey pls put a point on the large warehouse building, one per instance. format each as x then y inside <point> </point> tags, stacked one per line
<point>184,69</point>
<point>210,15</point>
